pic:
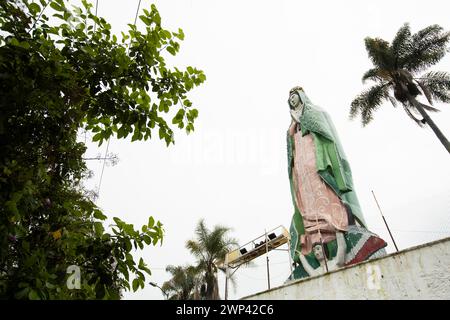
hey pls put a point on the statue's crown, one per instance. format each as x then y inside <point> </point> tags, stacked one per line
<point>294,89</point>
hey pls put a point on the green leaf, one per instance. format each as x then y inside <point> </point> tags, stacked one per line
<point>56,6</point>
<point>167,34</point>
<point>128,228</point>
<point>147,240</point>
<point>162,133</point>
<point>49,285</point>
<point>180,34</point>
<point>151,222</point>
<point>33,295</point>
<point>118,222</point>
<point>146,20</point>
<point>193,113</point>
<point>171,50</point>
<point>14,42</point>
<point>135,284</point>
<point>97,136</point>
<point>179,116</point>
<point>128,245</point>
<point>34,8</point>
<point>141,263</point>
<point>99,215</point>
<point>99,230</point>
<point>124,269</point>
<point>106,237</point>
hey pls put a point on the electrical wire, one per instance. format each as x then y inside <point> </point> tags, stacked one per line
<point>103,168</point>
<point>417,231</point>
<point>137,11</point>
<point>96,10</point>
<point>107,145</point>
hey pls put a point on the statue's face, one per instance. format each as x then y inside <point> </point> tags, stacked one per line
<point>296,106</point>
<point>318,252</point>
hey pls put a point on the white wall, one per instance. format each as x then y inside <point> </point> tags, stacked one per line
<point>421,272</point>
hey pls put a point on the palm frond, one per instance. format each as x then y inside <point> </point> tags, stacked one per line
<point>172,269</point>
<point>427,34</point>
<point>408,108</point>
<point>401,44</point>
<point>372,74</point>
<point>437,84</point>
<point>428,108</point>
<point>217,241</point>
<point>184,280</point>
<point>368,101</point>
<point>196,248</point>
<point>202,231</point>
<point>380,54</point>
<point>425,91</point>
<point>393,101</point>
<point>428,47</point>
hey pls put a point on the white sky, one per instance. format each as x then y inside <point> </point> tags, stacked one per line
<point>233,169</point>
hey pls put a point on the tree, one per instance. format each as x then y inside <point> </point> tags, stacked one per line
<point>395,70</point>
<point>184,284</point>
<point>210,248</point>
<point>59,76</point>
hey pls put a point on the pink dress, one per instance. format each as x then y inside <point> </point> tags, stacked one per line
<point>322,211</point>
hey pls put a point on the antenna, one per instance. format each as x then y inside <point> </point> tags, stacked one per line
<point>392,238</point>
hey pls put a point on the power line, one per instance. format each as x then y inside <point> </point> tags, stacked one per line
<point>277,276</point>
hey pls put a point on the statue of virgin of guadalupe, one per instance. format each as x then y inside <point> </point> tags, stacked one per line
<point>328,230</point>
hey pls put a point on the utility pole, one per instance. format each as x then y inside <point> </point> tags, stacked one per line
<point>267,258</point>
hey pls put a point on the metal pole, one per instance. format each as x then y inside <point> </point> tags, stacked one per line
<point>389,230</point>
<point>324,253</point>
<point>267,257</point>
<point>226,277</point>
<point>321,244</point>
<point>290,258</point>
<point>154,284</point>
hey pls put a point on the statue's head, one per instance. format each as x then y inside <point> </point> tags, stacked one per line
<point>296,104</point>
<point>318,252</point>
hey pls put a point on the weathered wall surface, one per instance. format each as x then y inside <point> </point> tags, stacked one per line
<point>421,272</point>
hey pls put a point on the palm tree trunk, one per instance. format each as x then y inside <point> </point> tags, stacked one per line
<point>210,289</point>
<point>209,277</point>
<point>216,288</point>
<point>430,122</point>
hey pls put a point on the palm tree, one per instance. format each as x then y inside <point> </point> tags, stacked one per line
<point>184,284</point>
<point>210,248</point>
<point>396,66</point>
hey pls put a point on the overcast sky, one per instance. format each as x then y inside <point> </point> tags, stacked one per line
<point>233,169</point>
